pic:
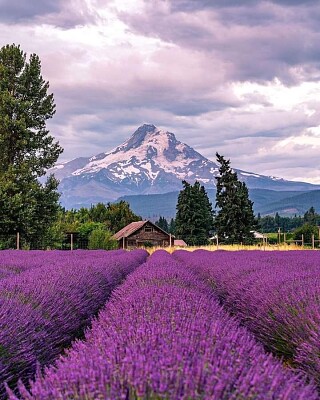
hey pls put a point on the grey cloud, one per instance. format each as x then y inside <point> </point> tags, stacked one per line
<point>65,14</point>
<point>14,11</point>
<point>191,5</point>
<point>256,42</point>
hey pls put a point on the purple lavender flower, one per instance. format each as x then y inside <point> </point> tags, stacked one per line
<point>275,295</point>
<point>45,307</point>
<point>163,335</point>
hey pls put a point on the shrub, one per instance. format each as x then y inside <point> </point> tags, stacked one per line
<point>101,239</point>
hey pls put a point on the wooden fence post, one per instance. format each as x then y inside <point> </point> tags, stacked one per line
<point>18,241</point>
<point>312,241</point>
<point>302,240</point>
<point>71,241</point>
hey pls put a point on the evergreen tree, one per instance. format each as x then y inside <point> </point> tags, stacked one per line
<point>194,218</point>
<point>310,216</point>
<point>172,226</point>
<point>27,149</point>
<point>163,224</point>
<point>235,219</point>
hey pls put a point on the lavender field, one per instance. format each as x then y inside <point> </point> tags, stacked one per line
<point>200,325</point>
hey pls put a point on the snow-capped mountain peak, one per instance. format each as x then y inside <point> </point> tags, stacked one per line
<point>151,161</point>
<point>146,154</point>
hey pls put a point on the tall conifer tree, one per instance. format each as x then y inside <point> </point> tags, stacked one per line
<point>194,218</point>
<point>234,221</point>
<point>26,147</point>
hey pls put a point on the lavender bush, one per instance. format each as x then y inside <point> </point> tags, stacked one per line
<point>163,335</point>
<point>276,295</point>
<point>44,308</point>
<point>13,262</point>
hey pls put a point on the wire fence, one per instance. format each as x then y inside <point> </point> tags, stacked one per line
<point>73,241</point>
<point>68,241</point>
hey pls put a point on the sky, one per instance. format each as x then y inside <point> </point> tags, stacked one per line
<point>238,77</point>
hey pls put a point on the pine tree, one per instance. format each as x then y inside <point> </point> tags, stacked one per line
<point>172,226</point>
<point>234,221</point>
<point>27,149</point>
<point>310,216</point>
<point>194,218</point>
<point>162,223</point>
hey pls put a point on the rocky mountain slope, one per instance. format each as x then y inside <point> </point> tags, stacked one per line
<point>151,161</point>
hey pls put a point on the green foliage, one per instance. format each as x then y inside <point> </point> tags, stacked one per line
<point>271,223</point>
<point>172,226</point>
<point>194,218</point>
<point>235,219</point>
<point>311,217</point>
<point>120,215</point>
<point>163,224</point>
<point>101,239</point>
<point>86,228</point>
<point>27,149</point>
<point>82,222</point>
<point>307,230</point>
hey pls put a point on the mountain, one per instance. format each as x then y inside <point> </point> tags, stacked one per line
<point>151,161</point>
<point>298,203</point>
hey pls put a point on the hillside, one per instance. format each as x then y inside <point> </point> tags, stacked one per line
<point>266,202</point>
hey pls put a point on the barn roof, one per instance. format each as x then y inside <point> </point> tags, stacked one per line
<point>133,227</point>
<point>129,229</point>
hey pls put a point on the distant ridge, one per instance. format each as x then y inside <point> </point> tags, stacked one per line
<point>266,202</point>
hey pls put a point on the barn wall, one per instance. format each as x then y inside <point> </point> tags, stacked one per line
<point>157,237</point>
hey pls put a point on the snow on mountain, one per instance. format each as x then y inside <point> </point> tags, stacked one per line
<point>150,161</point>
<point>147,153</point>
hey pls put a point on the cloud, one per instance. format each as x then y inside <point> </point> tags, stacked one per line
<point>256,41</point>
<point>191,5</point>
<point>14,11</point>
<point>65,14</point>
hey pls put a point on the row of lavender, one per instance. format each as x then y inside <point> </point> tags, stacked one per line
<point>13,262</point>
<point>51,302</point>
<point>163,335</point>
<point>275,295</point>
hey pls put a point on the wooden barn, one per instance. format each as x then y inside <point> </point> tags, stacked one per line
<point>142,234</point>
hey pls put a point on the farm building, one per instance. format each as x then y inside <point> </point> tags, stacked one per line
<point>179,243</point>
<point>142,233</point>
